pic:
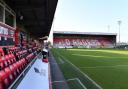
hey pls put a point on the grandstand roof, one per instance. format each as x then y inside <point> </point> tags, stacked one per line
<point>84,33</point>
<point>37,14</point>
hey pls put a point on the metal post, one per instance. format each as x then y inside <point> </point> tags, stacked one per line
<point>108,28</point>
<point>119,23</point>
<point>4,15</point>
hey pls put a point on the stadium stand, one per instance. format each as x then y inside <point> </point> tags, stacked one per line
<point>77,42</point>
<point>84,40</point>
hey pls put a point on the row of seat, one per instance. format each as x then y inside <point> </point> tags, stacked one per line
<point>11,68</point>
<point>30,57</point>
<point>8,60</point>
<point>8,74</point>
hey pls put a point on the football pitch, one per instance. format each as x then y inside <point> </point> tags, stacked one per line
<point>93,68</point>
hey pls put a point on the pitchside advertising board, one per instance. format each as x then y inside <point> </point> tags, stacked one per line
<point>6,36</point>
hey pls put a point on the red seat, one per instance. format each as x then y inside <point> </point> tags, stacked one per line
<point>1,85</point>
<point>45,60</point>
<point>28,58</point>
<point>19,65</point>
<point>9,74</point>
<point>31,56</point>
<point>18,55</point>
<point>2,64</point>
<point>13,70</point>
<point>25,51</point>
<point>13,58</point>
<point>10,56</point>
<point>24,62</point>
<point>16,66</point>
<point>4,80</point>
<point>5,62</point>
<point>8,59</point>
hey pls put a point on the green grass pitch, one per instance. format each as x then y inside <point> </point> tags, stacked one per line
<point>107,67</point>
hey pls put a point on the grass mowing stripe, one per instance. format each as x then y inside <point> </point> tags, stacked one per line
<point>97,56</point>
<point>81,71</point>
<point>125,52</point>
<point>104,66</point>
<point>87,55</point>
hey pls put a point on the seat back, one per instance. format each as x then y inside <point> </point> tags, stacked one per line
<point>2,64</point>
<point>13,58</point>
<point>4,80</point>
<point>16,66</point>
<point>13,70</point>
<point>7,61</point>
<point>19,65</point>
<point>9,74</point>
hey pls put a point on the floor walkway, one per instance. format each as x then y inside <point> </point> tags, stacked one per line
<point>58,80</point>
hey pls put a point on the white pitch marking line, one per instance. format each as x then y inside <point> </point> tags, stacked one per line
<point>77,79</point>
<point>81,83</point>
<point>61,61</point>
<point>71,79</point>
<point>64,81</point>
<point>82,72</point>
<point>58,81</point>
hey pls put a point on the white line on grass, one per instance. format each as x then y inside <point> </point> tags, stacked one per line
<point>71,79</point>
<point>103,66</point>
<point>81,83</point>
<point>64,81</point>
<point>77,79</point>
<point>61,61</point>
<point>58,81</point>
<point>81,72</point>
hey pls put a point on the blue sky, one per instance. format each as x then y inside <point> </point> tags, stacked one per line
<point>92,16</point>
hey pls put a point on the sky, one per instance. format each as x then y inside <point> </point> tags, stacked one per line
<point>92,16</point>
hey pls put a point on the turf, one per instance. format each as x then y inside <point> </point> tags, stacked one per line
<point>107,67</point>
